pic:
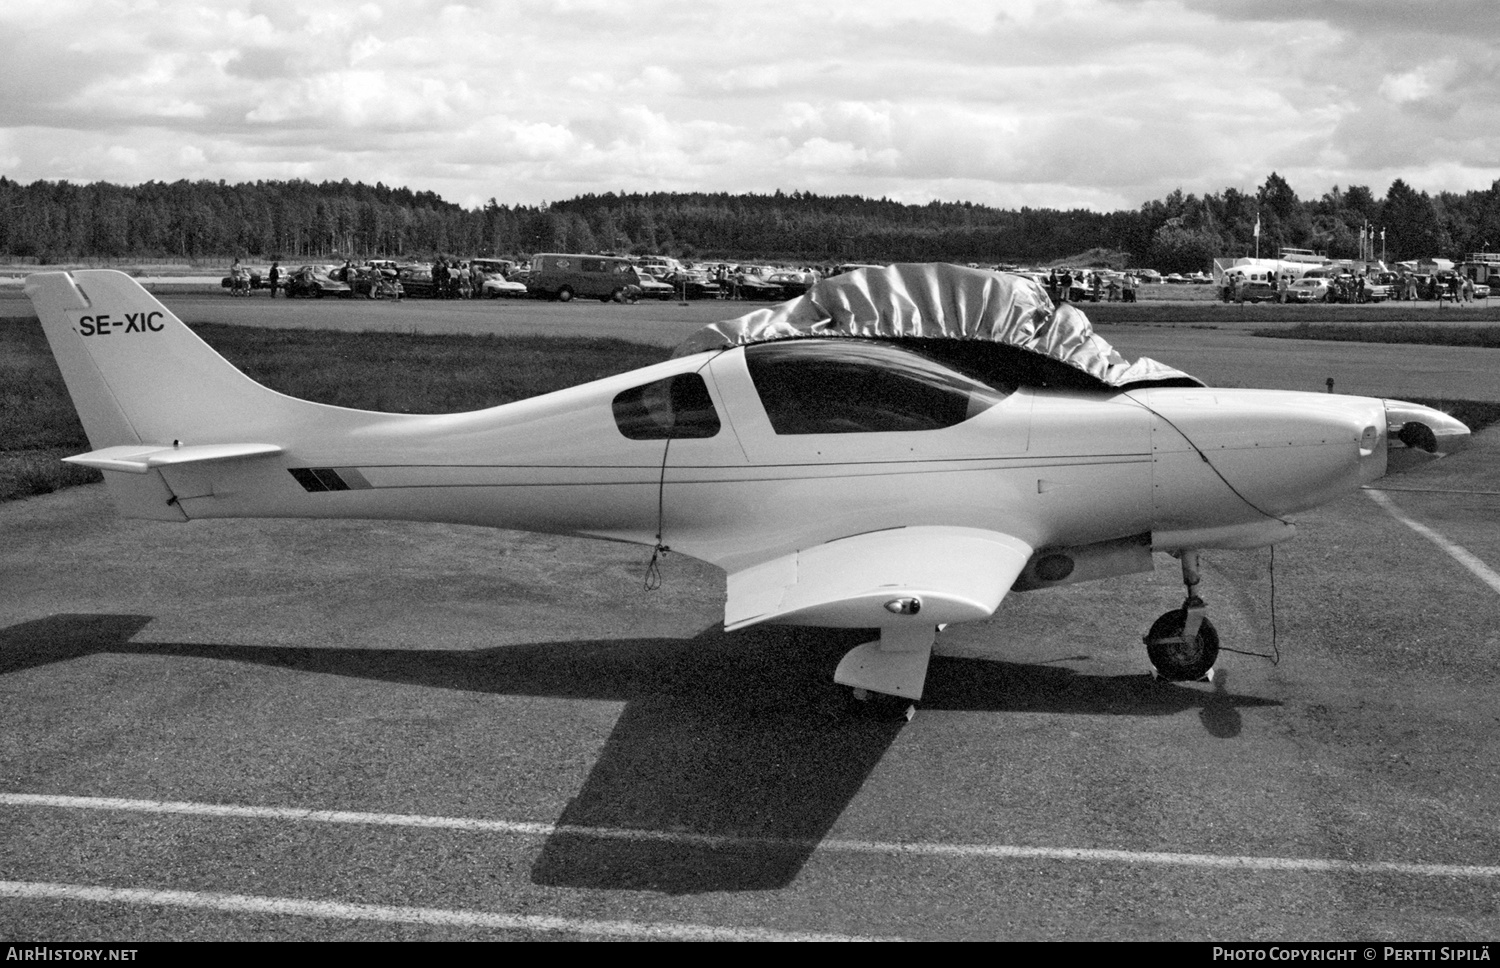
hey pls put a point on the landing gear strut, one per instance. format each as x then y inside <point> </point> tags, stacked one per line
<point>1183,644</point>
<point>886,676</point>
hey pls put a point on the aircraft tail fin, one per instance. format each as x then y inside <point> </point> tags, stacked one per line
<point>138,375</point>
<point>150,393</point>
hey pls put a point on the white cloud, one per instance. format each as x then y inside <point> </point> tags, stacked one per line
<point>1409,86</point>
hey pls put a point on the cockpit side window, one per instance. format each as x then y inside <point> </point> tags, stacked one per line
<point>676,407</point>
<point>846,387</point>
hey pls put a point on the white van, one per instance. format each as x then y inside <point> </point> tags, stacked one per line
<point>561,276</point>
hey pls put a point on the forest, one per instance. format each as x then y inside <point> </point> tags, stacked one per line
<point>48,222</point>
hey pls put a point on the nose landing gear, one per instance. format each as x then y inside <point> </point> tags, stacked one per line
<point>1183,644</point>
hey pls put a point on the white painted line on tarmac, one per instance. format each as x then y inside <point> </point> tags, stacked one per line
<point>719,841</point>
<point>278,813</point>
<point>436,917</point>
<point>1458,553</point>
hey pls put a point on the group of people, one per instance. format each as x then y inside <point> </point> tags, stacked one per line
<point>1452,288</point>
<point>456,279</point>
<point>242,280</point>
<point>1063,285</point>
<point>370,280</point>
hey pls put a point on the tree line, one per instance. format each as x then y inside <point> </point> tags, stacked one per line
<point>300,220</point>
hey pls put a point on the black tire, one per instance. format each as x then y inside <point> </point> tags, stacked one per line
<point>1176,660</point>
<point>564,294</point>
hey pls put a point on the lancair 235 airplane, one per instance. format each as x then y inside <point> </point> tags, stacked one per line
<point>895,450</point>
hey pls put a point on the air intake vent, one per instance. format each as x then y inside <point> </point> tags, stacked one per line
<point>315,479</point>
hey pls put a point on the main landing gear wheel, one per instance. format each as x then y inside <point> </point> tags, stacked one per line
<point>1176,658</point>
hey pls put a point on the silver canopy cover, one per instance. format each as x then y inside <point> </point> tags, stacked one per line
<point>937,300</point>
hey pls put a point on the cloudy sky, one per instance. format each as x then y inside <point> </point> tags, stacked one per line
<point>1102,104</point>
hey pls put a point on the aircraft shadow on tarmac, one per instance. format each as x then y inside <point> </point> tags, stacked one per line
<point>733,756</point>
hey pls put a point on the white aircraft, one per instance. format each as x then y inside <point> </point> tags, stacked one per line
<point>935,438</point>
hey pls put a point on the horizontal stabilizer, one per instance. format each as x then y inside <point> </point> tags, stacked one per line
<point>141,458</point>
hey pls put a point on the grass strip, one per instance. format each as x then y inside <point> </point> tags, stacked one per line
<point>1207,311</point>
<point>1487,337</point>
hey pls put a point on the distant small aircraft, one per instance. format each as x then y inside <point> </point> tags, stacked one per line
<point>894,450</point>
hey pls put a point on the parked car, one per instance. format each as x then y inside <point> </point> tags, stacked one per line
<point>416,280</point>
<point>750,285</point>
<point>694,284</point>
<point>495,278</point>
<point>494,287</point>
<point>1375,291</point>
<point>376,279</point>
<point>651,286</point>
<point>315,282</point>
<point>792,284</point>
<point>1307,290</point>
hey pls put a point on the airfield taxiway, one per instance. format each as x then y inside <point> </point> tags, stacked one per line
<point>277,729</point>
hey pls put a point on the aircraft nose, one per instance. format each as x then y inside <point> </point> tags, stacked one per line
<point>1418,434</point>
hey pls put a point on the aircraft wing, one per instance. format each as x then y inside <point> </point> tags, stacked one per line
<point>955,574</point>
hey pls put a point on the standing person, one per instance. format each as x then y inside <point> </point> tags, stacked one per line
<point>1065,285</point>
<point>1468,290</point>
<point>273,278</point>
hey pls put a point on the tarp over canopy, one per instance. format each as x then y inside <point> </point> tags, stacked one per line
<point>939,300</point>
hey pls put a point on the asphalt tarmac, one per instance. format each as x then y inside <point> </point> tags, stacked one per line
<point>356,730</point>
